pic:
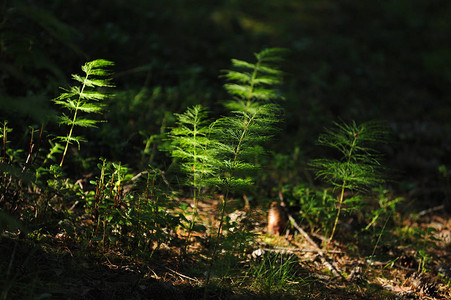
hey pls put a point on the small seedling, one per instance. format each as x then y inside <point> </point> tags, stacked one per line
<point>357,168</point>
<point>196,152</point>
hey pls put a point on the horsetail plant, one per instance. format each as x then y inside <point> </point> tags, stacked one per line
<point>83,98</point>
<point>254,115</point>
<point>252,121</point>
<point>358,166</point>
<point>195,149</point>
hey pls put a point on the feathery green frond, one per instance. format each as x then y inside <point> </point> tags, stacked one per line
<point>71,139</point>
<point>359,161</point>
<point>64,120</point>
<point>253,117</point>
<point>242,64</point>
<point>272,54</point>
<point>91,107</point>
<point>256,81</point>
<point>98,67</point>
<point>84,98</point>
<point>92,95</point>
<point>193,146</point>
<point>85,122</point>
<point>252,121</point>
<point>195,151</point>
<point>359,166</point>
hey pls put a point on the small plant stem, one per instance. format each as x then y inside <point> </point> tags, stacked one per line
<point>5,132</point>
<point>195,188</point>
<point>240,142</point>
<point>30,151</point>
<point>237,151</point>
<point>155,199</point>
<point>340,202</point>
<point>221,220</point>
<point>343,186</point>
<point>226,196</point>
<point>69,136</point>
<point>96,208</point>
<point>251,91</point>
<point>218,234</point>
<point>39,143</point>
<point>104,233</point>
<point>379,237</point>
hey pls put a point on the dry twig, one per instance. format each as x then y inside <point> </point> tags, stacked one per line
<point>320,252</point>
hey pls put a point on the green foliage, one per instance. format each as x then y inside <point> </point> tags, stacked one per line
<point>358,166</point>
<point>272,274</point>
<point>132,211</point>
<point>386,207</point>
<point>424,259</point>
<point>109,200</point>
<point>422,240</point>
<point>224,152</point>
<point>4,136</point>
<point>11,174</point>
<point>254,82</point>
<point>84,99</point>
<point>251,122</point>
<point>253,118</point>
<point>195,149</point>
<point>315,205</point>
<point>335,77</point>
<point>153,211</point>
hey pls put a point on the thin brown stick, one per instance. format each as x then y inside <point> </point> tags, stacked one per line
<point>182,275</point>
<point>293,250</point>
<point>320,252</point>
<point>432,209</point>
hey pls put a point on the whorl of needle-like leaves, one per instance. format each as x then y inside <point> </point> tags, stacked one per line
<point>252,119</point>
<point>84,98</point>
<point>254,82</point>
<point>193,146</point>
<point>254,115</point>
<point>359,165</point>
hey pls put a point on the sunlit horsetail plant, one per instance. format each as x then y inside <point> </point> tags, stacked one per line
<point>358,167</point>
<point>195,150</point>
<point>83,98</point>
<point>252,121</point>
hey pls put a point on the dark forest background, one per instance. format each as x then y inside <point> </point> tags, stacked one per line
<point>349,60</point>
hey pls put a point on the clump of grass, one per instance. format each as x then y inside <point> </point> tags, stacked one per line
<point>272,274</point>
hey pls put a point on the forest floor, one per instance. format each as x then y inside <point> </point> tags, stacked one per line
<point>58,267</point>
